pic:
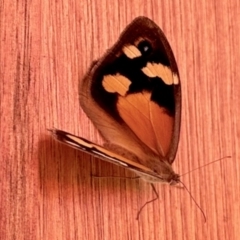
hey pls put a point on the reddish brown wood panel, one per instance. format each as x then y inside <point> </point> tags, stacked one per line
<point>46,189</point>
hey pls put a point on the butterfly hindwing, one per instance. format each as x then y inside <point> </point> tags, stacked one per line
<point>84,145</point>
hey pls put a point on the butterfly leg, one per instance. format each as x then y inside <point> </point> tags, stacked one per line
<point>150,201</point>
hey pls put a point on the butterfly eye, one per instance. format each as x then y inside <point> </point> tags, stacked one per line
<point>144,47</point>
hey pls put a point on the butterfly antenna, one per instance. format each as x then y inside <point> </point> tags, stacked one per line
<point>157,196</point>
<point>198,206</point>
<point>206,165</point>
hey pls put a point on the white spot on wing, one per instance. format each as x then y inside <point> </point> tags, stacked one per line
<point>175,79</point>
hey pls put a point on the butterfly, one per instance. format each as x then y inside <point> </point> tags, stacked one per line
<point>133,97</point>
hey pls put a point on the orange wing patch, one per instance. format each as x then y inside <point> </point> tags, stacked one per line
<point>147,120</point>
<point>163,127</point>
<point>159,70</point>
<point>116,84</point>
<point>131,51</point>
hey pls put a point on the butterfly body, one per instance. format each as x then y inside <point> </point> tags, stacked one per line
<point>133,97</point>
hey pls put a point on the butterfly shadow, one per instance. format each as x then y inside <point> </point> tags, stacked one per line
<point>61,166</point>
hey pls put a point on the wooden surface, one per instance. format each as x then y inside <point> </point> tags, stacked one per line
<point>46,189</point>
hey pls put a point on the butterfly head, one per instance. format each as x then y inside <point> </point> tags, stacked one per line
<point>175,180</point>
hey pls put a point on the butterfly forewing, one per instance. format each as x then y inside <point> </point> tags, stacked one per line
<point>132,95</point>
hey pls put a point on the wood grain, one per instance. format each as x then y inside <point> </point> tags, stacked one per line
<point>46,189</point>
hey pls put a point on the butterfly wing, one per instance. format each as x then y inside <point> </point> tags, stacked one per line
<point>84,145</point>
<point>132,94</point>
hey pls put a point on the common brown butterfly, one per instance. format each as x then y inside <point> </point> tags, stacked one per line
<point>133,97</point>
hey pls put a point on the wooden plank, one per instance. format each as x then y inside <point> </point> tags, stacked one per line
<point>47,191</point>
